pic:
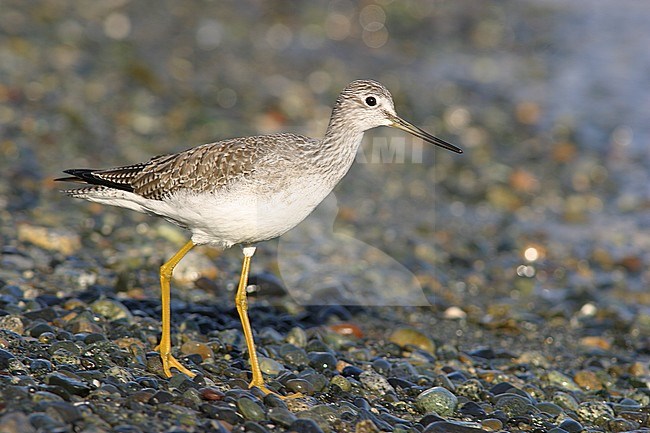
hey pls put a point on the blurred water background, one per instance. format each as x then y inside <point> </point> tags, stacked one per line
<point>549,99</point>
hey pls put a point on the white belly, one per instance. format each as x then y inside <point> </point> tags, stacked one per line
<point>239,216</point>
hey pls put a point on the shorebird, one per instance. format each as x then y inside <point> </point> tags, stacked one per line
<point>242,191</point>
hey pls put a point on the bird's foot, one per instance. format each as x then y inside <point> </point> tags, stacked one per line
<point>168,361</point>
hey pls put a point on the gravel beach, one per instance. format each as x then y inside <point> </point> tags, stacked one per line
<point>502,290</point>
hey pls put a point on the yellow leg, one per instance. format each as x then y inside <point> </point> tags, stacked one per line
<point>242,308</point>
<point>241,301</point>
<point>165,346</point>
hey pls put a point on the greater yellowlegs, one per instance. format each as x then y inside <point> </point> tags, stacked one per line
<point>244,190</point>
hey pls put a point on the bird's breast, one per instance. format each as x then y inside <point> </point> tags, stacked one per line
<point>247,212</point>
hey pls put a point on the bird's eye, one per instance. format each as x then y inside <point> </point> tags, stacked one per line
<point>371,101</point>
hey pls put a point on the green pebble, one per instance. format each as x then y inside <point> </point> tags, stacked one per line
<point>250,410</point>
<point>270,366</point>
<point>437,399</point>
<point>341,382</point>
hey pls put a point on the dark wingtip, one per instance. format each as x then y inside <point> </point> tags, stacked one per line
<point>78,175</point>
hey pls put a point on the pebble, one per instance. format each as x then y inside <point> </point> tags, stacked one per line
<point>565,401</point>
<point>270,366</point>
<point>302,425</point>
<point>73,386</point>
<point>514,405</point>
<point>471,389</point>
<point>293,355</point>
<point>62,240</point>
<point>596,412</point>
<point>12,323</point>
<point>297,337</point>
<point>282,416</point>
<point>571,426</point>
<point>299,386</point>
<point>437,399</point>
<point>375,382</point>
<point>250,410</point>
<point>347,329</point>
<point>405,337</point>
<point>322,361</point>
<point>6,359</point>
<point>341,382</point>
<point>492,424</point>
<point>549,408</point>
<point>197,348</point>
<point>588,380</point>
<point>15,422</point>
<point>111,310</point>
<point>561,380</point>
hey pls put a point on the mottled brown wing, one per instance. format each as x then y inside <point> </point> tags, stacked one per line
<point>206,167</point>
<point>202,168</point>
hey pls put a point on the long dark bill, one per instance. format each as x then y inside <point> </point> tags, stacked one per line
<point>402,124</point>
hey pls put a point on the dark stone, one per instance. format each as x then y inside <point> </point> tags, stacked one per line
<point>44,422</point>
<point>501,388</point>
<point>397,382</point>
<point>303,425</point>
<point>253,427</point>
<point>322,361</point>
<point>40,328</point>
<point>67,412</point>
<point>281,416</point>
<point>47,314</point>
<point>161,397</point>
<point>6,358</point>
<point>221,413</point>
<point>457,376</point>
<point>381,366</point>
<point>473,410</point>
<point>72,386</point>
<point>429,419</point>
<point>351,371</point>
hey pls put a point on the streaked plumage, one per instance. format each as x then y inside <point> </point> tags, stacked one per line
<point>245,190</point>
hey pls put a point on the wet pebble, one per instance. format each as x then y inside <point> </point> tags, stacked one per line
<point>297,337</point>
<point>73,386</point>
<point>492,424</point>
<point>341,382</point>
<point>439,400</point>
<point>588,380</point>
<point>282,416</point>
<point>322,361</point>
<point>565,401</point>
<point>303,425</point>
<point>559,379</point>
<point>471,388</point>
<point>270,366</point>
<point>111,309</point>
<point>250,410</point>
<point>6,359</point>
<point>571,426</point>
<point>514,405</point>
<point>596,412</point>
<point>375,382</point>
<point>406,337</point>
<point>299,386</point>
<point>12,323</point>
<point>294,355</point>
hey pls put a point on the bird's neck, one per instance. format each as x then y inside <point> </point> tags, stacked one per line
<point>340,145</point>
